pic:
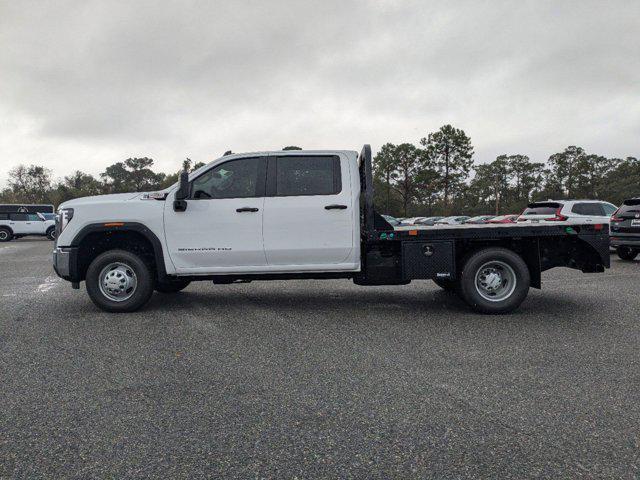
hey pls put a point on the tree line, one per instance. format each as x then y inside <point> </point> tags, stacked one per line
<point>35,184</point>
<point>436,177</point>
<point>439,177</point>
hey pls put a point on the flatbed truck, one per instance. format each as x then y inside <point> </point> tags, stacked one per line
<point>299,215</point>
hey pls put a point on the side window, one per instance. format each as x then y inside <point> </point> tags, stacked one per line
<point>608,209</point>
<point>307,175</point>
<point>4,216</point>
<point>591,209</point>
<point>233,179</point>
<point>19,217</point>
<point>32,217</point>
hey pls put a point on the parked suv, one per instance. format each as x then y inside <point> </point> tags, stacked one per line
<point>625,229</point>
<point>569,211</point>
<point>18,224</point>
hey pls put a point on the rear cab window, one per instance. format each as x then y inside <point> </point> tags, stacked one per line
<point>304,175</point>
<point>19,217</point>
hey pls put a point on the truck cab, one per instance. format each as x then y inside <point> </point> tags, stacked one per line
<point>296,215</point>
<point>265,213</point>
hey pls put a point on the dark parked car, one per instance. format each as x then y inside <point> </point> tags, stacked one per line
<point>625,229</point>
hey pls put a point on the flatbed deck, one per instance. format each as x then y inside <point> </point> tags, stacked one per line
<point>493,230</point>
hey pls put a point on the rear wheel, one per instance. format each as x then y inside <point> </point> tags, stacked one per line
<point>171,286</point>
<point>51,233</point>
<point>447,285</point>
<point>5,235</point>
<point>119,281</point>
<point>627,253</point>
<point>494,280</point>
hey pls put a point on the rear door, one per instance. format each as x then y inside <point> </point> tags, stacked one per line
<point>588,212</point>
<point>35,224</point>
<point>309,213</point>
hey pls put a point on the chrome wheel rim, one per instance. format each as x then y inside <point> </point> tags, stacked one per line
<point>495,281</point>
<point>118,281</point>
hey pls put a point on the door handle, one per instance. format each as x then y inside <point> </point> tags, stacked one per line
<point>247,209</point>
<point>335,207</point>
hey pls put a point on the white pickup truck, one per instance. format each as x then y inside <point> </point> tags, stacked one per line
<point>299,215</point>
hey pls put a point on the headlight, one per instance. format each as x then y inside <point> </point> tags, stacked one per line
<point>63,218</point>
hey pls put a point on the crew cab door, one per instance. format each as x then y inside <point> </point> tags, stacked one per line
<point>309,213</point>
<point>221,229</point>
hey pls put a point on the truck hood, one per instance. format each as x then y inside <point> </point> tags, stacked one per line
<point>113,198</point>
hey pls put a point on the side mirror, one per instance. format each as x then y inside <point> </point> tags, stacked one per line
<point>180,204</point>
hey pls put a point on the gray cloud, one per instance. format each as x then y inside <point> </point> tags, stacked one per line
<point>85,84</point>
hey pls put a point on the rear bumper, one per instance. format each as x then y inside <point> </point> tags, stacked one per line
<point>625,240</point>
<point>65,261</point>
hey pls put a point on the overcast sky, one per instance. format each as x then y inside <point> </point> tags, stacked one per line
<point>85,84</point>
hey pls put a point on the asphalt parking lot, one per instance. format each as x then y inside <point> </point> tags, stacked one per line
<point>315,379</point>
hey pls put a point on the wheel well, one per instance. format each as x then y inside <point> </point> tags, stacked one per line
<point>95,243</point>
<point>6,227</point>
<point>527,248</point>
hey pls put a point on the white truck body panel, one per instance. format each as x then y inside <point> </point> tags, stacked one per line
<point>286,234</point>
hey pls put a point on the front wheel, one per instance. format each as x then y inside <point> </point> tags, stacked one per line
<point>5,235</point>
<point>51,233</point>
<point>119,281</point>
<point>627,253</point>
<point>494,280</point>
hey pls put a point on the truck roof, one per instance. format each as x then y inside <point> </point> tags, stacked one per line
<point>270,153</point>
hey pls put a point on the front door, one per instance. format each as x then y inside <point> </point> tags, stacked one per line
<point>221,229</point>
<point>35,224</point>
<point>309,213</point>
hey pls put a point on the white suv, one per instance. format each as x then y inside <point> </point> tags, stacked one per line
<point>20,224</point>
<point>569,211</point>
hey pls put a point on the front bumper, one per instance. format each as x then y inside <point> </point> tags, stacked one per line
<point>65,263</point>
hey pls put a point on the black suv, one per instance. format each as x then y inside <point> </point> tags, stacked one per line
<point>625,229</point>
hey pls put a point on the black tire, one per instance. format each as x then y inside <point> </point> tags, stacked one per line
<point>627,253</point>
<point>497,265</point>
<point>5,235</point>
<point>137,269</point>
<point>51,233</point>
<point>446,285</point>
<point>172,286</point>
